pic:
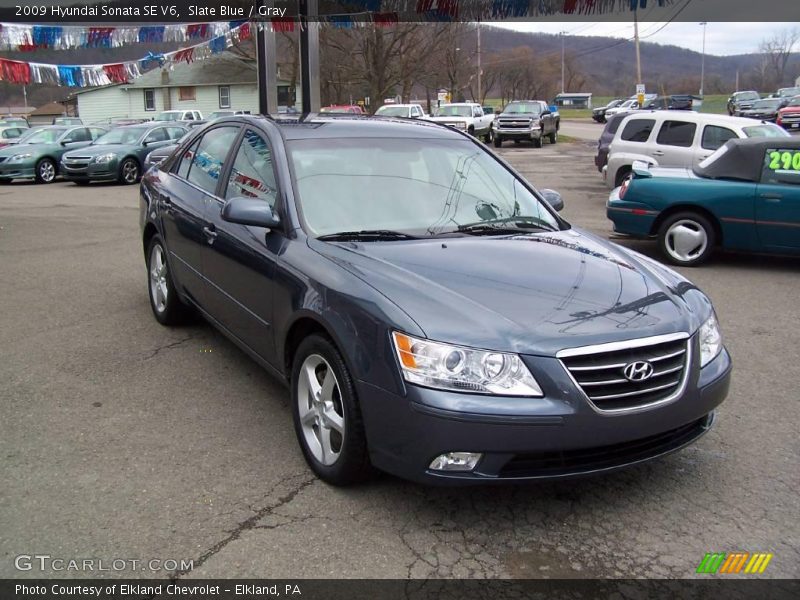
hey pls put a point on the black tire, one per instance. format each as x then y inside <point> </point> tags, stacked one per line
<point>5,181</point>
<point>498,141</point>
<point>553,137</point>
<point>46,171</point>
<point>81,182</point>
<point>129,172</point>
<point>704,236</point>
<point>537,142</point>
<point>352,464</point>
<point>489,137</point>
<point>471,131</point>
<point>622,174</point>
<point>517,141</point>
<point>173,311</point>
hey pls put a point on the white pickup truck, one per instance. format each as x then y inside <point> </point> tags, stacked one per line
<point>467,116</point>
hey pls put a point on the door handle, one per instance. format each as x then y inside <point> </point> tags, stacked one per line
<point>658,153</point>
<point>772,197</point>
<point>211,234</point>
<point>166,202</point>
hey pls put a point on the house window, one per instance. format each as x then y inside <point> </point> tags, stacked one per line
<point>186,93</point>
<point>224,96</point>
<point>150,99</point>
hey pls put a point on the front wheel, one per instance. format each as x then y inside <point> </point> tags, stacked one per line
<point>686,239</point>
<point>129,171</point>
<point>327,416</point>
<point>553,137</point>
<point>498,141</point>
<point>537,142</point>
<point>489,136</point>
<point>45,171</point>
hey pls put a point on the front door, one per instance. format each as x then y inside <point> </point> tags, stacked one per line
<point>778,200</point>
<point>240,263</point>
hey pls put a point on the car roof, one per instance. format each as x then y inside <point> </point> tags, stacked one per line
<point>744,158</point>
<point>352,126</point>
<point>687,115</point>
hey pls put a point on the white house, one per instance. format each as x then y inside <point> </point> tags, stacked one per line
<point>216,83</point>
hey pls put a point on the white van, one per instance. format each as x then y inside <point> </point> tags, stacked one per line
<point>675,138</point>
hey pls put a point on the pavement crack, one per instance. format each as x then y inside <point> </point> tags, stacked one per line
<point>246,525</point>
<point>170,346</point>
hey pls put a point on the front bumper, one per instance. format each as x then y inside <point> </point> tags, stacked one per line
<point>524,439</point>
<point>518,133</point>
<point>89,171</point>
<point>23,170</point>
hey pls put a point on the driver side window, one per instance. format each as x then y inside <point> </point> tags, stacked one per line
<point>78,135</point>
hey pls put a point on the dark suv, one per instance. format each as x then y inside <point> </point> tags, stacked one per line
<point>429,310</point>
<point>740,101</point>
<point>612,124</point>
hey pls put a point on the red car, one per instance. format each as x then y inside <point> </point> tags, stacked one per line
<point>789,115</point>
<point>342,109</point>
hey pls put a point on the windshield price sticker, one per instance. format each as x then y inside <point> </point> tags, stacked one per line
<point>784,160</point>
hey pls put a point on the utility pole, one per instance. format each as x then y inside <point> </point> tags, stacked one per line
<point>562,34</point>
<point>703,60</point>
<point>636,40</point>
<point>737,80</point>
<point>480,72</point>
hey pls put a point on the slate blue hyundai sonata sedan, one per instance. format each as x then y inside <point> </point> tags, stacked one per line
<point>431,313</point>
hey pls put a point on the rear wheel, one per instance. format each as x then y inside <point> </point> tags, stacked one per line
<point>686,239</point>
<point>327,416</point>
<point>168,308</point>
<point>622,174</point>
<point>45,171</point>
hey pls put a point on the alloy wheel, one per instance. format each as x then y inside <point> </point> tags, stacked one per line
<point>320,409</point>
<point>47,171</point>
<point>130,171</point>
<point>158,278</point>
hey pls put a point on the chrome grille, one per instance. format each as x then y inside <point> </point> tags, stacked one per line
<point>600,371</point>
<point>514,123</point>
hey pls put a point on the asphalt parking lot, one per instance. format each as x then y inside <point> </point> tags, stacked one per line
<point>122,439</point>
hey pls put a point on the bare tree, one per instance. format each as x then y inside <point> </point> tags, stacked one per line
<point>777,51</point>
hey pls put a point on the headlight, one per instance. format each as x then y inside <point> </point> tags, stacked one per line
<point>463,369</point>
<point>104,158</point>
<point>19,157</point>
<point>710,340</point>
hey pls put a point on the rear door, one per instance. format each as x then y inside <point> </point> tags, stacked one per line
<point>240,263</point>
<point>189,187</point>
<point>712,137</point>
<point>778,200</point>
<point>674,143</point>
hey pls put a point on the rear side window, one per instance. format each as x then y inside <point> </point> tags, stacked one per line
<point>715,137</point>
<point>637,130</point>
<point>613,124</point>
<point>210,156</point>
<point>676,133</point>
<point>252,175</point>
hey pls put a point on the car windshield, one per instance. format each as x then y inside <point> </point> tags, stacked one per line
<point>765,130</point>
<point>746,96</point>
<point>522,107</point>
<point>44,136</point>
<point>169,116</point>
<point>221,113</point>
<point>123,135</point>
<point>336,110</point>
<point>626,104</point>
<point>414,187</point>
<point>794,102</point>
<point>784,92</point>
<point>453,111</point>
<point>771,103</point>
<point>393,111</point>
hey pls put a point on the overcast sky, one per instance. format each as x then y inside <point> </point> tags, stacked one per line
<point>721,38</point>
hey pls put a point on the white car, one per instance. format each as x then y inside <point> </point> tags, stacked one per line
<point>179,115</point>
<point>675,138</point>
<point>466,116</point>
<point>409,111</point>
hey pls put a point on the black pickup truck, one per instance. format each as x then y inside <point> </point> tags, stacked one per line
<point>526,120</point>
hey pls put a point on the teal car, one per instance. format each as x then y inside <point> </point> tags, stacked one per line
<point>37,155</point>
<point>119,154</point>
<point>745,196</point>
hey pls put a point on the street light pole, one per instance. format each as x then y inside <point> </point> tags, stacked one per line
<point>480,73</point>
<point>636,40</point>
<point>703,60</point>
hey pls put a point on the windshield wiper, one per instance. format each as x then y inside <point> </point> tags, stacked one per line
<point>366,234</point>
<point>496,226</point>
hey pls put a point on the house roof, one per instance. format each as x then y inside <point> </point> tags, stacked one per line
<point>224,69</point>
<point>16,110</point>
<point>51,108</point>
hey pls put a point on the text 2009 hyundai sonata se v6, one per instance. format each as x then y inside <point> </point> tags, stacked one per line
<point>432,314</point>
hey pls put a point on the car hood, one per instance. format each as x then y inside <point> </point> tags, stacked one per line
<point>454,118</point>
<point>789,109</point>
<point>531,294</point>
<point>97,150</point>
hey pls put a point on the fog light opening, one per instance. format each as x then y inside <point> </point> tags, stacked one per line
<point>456,461</point>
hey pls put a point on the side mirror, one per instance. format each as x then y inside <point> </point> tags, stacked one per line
<point>248,211</point>
<point>553,198</point>
<point>546,112</point>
